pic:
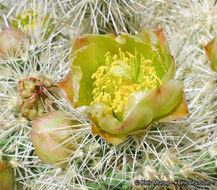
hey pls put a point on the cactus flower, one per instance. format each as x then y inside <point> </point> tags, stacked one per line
<point>211,52</point>
<point>12,42</point>
<point>126,83</point>
<point>49,131</point>
<point>6,177</point>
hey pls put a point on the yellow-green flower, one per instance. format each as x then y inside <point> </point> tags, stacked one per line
<point>125,81</point>
<point>211,52</point>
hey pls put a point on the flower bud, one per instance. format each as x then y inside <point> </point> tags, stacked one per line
<point>33,97</point>
<point>53,136</point>
<point>6,177</point>
<point>12,42</point>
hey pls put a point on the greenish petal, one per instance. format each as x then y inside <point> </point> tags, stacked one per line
<point>181,111</point>
<point>111,138</point>
<point>89,54</point>
<point>164,62</point>
<point>69,86</point>
<point>155,104</point>
<point>88,62</point>
<point>211,52</point>
<point>164,46</point>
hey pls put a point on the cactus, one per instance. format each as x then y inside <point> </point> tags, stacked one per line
<point>173,151</point>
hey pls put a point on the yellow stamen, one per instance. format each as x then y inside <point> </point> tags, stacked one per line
<point>122,75</point>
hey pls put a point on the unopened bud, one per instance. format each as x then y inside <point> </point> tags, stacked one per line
<point>12,42</point>
<point>33,97</point>
<point>50,137</point>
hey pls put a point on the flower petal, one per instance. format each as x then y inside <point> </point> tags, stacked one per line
<point>155,104</point>
<point>211,52</point>
<point>208,48</point>
<point>88,53</point>
<point>144,108</point>
<point>163,42</point>
<point>181,111</point>
<point>165,48</point>
<point>165,65</point>
<point>113,139</point>
<point>69,85</point>
<point>78,42</point>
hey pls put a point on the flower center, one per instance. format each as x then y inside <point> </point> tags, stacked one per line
<point>123,74</point>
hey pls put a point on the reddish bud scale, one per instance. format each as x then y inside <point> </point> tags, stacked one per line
<point>32,92</point>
